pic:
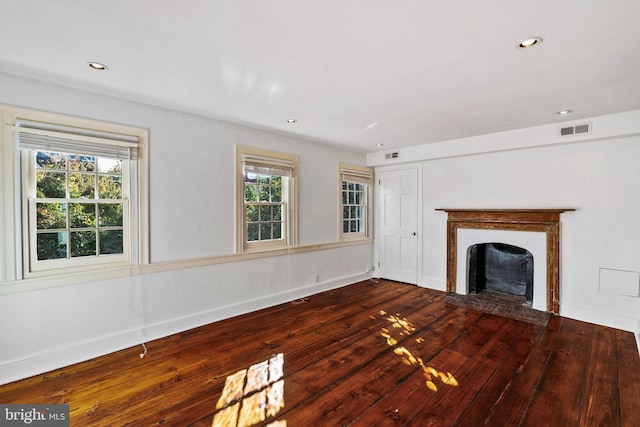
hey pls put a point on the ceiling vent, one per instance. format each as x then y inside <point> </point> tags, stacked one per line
<point>581,129</point>
<point>393,155</point>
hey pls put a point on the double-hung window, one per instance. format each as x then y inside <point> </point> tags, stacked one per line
<point>82,198</point>
<point>354,201</point>
<point>265,200</point>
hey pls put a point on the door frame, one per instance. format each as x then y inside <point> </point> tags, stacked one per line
<point>376,218</point>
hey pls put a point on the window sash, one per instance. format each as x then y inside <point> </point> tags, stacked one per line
<point>250,160</point>
<point>364,177</point>
<point>31,263</point>
<point>36,265</point>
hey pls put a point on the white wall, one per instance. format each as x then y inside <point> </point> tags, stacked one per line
<point>191,216</point>
<point>532,168</point>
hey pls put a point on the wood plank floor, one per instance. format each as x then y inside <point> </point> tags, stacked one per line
<point>369,354</point>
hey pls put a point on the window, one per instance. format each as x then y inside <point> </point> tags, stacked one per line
<point>266,199</point>
<point>355,201</point>
<point>81,195</point>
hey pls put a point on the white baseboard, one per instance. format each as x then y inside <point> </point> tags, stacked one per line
<point>176,325</point>
<point>603,318</point>
<point>14,370</point>
<point>435,284</point>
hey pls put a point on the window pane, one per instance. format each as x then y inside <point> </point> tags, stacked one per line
<point>251,177</point>
<point>51,185</point>
<point>49,160</point>
<point>265,213</point>
<point>52,245</point>
<point>353,212</point>
<point>51,215</point>
<point>111,242</point>
<point>109,187</point>
<point>82,185</point>
<point>265,231</point>
<point>264,193</point>
<point>276,189</point>
<point>353,226</point>
<point>83,243</point>
<point>82,215</point>
<point>345,196</point>
<point>345,212</point>
<point>263,179</point>
<point>344,185</point>
<point>277,230</point>
<point>82,163</point>
<point>110,214</point>
<point>252,213</point>
<point>250,193</point>
<point>277,213</point>
<point>352,198</point>
<point>252,232</point>
<point>112,166</point>
<point>351,186</point>
<point>358,198</point>
<point>345,226</point>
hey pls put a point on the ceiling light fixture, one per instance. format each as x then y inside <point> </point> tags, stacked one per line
<point>530,42</point>
<point>379,144</point>
<point>97,66</point>
<point>564,112</point>
<point>291,120</point>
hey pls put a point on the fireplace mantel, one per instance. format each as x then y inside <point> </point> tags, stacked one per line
<point>540,220</point>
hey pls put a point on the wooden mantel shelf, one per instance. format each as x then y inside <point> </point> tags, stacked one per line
<point>523,216</point>
<point>540,220</point>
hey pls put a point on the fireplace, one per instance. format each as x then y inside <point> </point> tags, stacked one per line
<point>501,268</point>
<point>536,230</point>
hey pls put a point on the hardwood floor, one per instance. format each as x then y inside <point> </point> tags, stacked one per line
<point>364,355</point>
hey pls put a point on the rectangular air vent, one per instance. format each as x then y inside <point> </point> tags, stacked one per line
<point>582,129</point>
<point>394,155</point>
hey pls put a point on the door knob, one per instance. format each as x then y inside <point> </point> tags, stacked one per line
<point>414,234</point>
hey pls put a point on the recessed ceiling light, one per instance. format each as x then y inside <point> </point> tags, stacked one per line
<point>379,144</point>
<point>564,112</point>
<point>97,66</point>
<point>291,120</point>
<point>530,42</point>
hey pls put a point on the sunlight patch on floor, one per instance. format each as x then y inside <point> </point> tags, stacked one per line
<point>252,395</point>
<point>409,358</point>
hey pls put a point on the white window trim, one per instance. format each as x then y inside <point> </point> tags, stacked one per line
<point>269,158</point>
<point>14,261</point>
<point>363,175</point>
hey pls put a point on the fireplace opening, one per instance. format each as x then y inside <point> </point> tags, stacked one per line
<point>501,268</point>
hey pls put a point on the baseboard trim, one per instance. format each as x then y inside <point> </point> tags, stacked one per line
<point>15,370</point>
<point>173,326</point>
<point>435,284</point>
<point>598,317</point>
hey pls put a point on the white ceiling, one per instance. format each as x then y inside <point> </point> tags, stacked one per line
<point>352,72</point>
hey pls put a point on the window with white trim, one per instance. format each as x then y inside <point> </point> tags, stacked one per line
<point>354,201</point>
<point>82,195</point>
<point>265,199</point>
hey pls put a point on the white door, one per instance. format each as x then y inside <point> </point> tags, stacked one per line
<point>398,242</point>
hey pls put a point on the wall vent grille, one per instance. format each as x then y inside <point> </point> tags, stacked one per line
<point>581,129</point>
<point>393,155</point>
